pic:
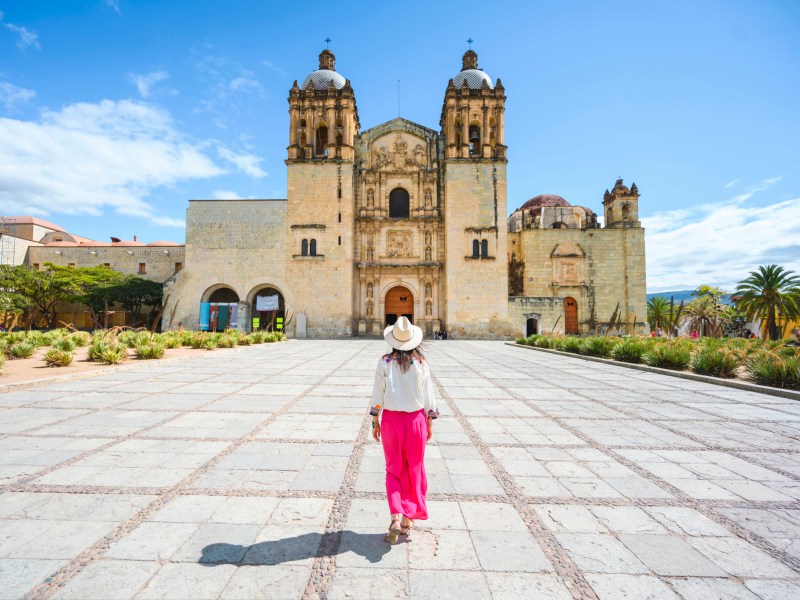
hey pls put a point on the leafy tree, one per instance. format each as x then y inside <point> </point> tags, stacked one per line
<point>771,295</point>
<point>709,290</point>
<point>135,293</point>
<point>706,315</point>
<point>96,287</point>
<point>657,312</point>
<point>13,302</point>
<point>44,289</point>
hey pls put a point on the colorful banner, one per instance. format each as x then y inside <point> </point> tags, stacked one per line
<point>267,303</point>
<point>205,313</point>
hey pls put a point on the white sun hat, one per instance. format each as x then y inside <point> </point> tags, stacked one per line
<point>403,335</point>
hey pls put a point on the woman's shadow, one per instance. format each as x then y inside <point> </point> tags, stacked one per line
<point>309,545</point>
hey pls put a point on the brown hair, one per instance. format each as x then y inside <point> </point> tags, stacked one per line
<point>405,357</point>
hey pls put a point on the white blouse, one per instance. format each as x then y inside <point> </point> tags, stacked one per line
<point>405,392</point>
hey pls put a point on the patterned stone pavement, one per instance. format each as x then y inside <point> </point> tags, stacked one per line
<point>250,473</point>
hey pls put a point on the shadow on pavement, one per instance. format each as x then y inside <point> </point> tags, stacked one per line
<point>309,545</point>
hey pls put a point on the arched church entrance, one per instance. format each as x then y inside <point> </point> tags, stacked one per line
<point>571,316</point>
<point>220,311</point>
<point>268,310</point>
<point>399,302</point>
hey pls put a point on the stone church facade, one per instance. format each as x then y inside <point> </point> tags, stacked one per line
<point>399,220</point>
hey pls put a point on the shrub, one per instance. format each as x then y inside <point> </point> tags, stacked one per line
<point>243,339</point>
<point>668,356</point>
<point>81,338</point>
<point>22,350</point>
<point>2,360</point>
<point>522,341</point>
<point>113,355</point>
<point>788,351</point>
<point>227,341</point>
<point>256,338</point>
<point>186,338</point>
<point>715,361</point>
<point>598,346</point>
<point>630,350</point>
<point>58,358</point>
<point>770,369</point>
<point>64,344</point>
<point>571,344</point>
<point>197,340</point>
<point>171,341</point>
<point>149,350</point>
<point>208,343</point>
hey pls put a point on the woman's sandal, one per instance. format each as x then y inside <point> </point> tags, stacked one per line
<point>406,529</point>
<point>394,532</point>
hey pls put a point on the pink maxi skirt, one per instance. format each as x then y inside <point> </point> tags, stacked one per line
<point>404,436</point>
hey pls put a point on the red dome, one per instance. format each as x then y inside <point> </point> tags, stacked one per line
<point>545,200</point>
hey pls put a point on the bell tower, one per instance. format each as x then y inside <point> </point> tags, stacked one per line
<point>472,114</point>
<point>474,184</point>
<point>323,118</point>
<point>323,123</point>
<point>621,206</point>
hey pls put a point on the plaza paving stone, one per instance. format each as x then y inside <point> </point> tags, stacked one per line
<point>250,473</point>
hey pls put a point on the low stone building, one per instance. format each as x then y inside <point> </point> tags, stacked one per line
<point>401,219</point>
<point>34,241</point>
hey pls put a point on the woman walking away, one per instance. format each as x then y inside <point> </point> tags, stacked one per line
<point>403,400</point>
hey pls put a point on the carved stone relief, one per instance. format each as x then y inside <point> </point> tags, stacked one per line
<point>398,243</point>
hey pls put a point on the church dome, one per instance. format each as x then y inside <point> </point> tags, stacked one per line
<point>326,75</point>
<point>544,200</point>
<point>470,74</point>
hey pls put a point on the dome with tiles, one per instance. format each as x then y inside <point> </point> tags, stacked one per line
<point>470,75</point>
<point>322,78</point>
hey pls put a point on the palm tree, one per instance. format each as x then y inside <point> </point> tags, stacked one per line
<point>770,295</point>
<point>657,312</point>
<point>705,315</point>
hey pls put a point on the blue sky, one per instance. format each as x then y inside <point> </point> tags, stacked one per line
<point>113,113</point>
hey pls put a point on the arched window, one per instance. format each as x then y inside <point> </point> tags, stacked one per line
<point>304,248</point>
<point>321,147</point>
<point>476,249</point>
<point>399,204</point>
<point>484,248</point>
<point>313,248</point>
<point>474,139</point>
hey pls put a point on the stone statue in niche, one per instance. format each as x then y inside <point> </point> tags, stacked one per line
<point>398,243</point>
<point>428,253</point>
<point>428,198</point>
<point>369,290</point>
<point>427,238</point>
<point>419,156</point>
<point>369,308</point>
<point>370,253</point>
<point>428,308</point>
<point>427,290</point>
<point>381,157</point>
<point>370,197</point>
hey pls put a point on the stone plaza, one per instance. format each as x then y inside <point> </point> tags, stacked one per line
<point>250,473</point>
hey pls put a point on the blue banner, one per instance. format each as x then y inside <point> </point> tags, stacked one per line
<point>205,315</point>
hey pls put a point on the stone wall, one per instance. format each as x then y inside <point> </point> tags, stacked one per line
<point>320,207</point>
<point>600,268</point>
<point>14,250</point>
<point>476,288</point>
<point>159,261</point>
<point>548,312</point>
<point>238,244</point>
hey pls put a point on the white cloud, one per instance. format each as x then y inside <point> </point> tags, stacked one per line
<point>720,243</point>
<point>248,163</point>
<point>759,187</point>
<point>144,83</point>
<point>86,157</point>
<point>226,195</point>
<point>27,39</point>
<point>11,96</point>
<point>274,68</point>
<point>114,4</point>
<point>242,84</point>
<point>730,184</point>
<point>168,222</point>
